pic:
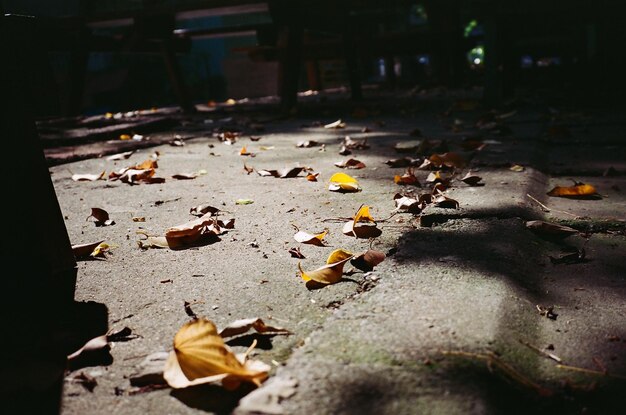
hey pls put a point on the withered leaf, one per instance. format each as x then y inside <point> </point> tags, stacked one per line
<point>295,253</point>
<point>408,178</point>
<point>351,144</point>
<point>408,204</point>
<point>449,159</point>
<point>328,274</point>
<point>550,230</point>
<point>281,174</point>
<point>85,250</point>
<point>202,210</point>
<point>121,156</point>
<point>350,164</point>
<point>517,168</point>
<point>190,232</point>
<point>336,124</point>
<point>472,179</point>
<point>577,191</point>
<point>101,217</point>
<point>88,177</point>
<point>341,182</point>
<point>244,152</point>
<point>344,151</point>
<point>100,251</point>
<point>184,176</point>
<point>367,260</point>
<point>402,162</point>
<point>307,144</point>
<point>353,228</point>
<point>445,202</point>
<point>201,356</point>
<point>248,169</point>
<point>146,165</point>
<point>242,326</point>
<point>312,177</point>
<point>255,138</point>
<point>307,238</point>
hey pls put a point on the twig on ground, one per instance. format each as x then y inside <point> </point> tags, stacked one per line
<point>547,209</point>
<point>541,352</point>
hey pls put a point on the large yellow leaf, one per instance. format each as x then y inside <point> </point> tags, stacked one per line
<point>331,272</point>
<point>201,356</point>
<point>343,182</point>
<point>363,231</point>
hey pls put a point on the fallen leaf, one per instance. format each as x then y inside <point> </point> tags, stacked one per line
<point>344,151</point>
<point>550,230</point>
<point>449,159</point>
<point>85,250</point>
<point>121,156</point>
<point>307,144</point>
<point>351,144</point>
<point>307,238</point>
<point>368,260</point>
<point>202,210</point>
<point>282,174</point>
<point>100,251</point>
<point>350,164</point>
<point>445,202</point>
<point>578,191</point>
<point>408,204</point>
<point>517,168</point>
<point>295,253</point>
<point>138,218</point>
<point>244,201</point>
<point>255,138</point>
<point>435,177</point>
<point>353,228</point>
<point>101,217</point>
<point>177,142</point>
<point>341,182</point>
<point>200,356</point>
<point>125,137</point>
<point>266,148</point>
<point>190,232</point>
<point>408,178</point>
<point>336,124</point>
<point>88,177</point>
<point>328,274</point>
<point>244,152</point>
<point>472,179</point>
<point>312,177</point>
<point>146,165</point>
<point>248,169</point>
<point>402,162</point>
<point>241,326</point>
<point>184,176</point>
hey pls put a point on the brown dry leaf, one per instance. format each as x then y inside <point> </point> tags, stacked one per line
<point>88,177</point>
<point>344,151</point>
<point>101,217</point>
<point>402,162</point>
<point>472,179</point>
<point>295,253</point>
<point>445,202</point>
<point>449,159</point>
<point>351,144</point>
<point>435,177</point>
<point>285,173</point>
<point>350,164</point>
<point>241,326</point>
<point>200,356</point>
<point>121,156</point>
<point>368,260</point>
<point>202,210</point>
<point>336,124</point>
<point>85,250</point>
<point>307,144</point>
<point>307,238</point>
<point>138,218</point>
<point>146,165</point>
<point>341,182</point>
<point>184,176</point>
<point>353,228</point>
<point>312,177</point>
<point>152,241</point>
<point>328,274</point>
<point>578,191</point>
<point>190,232</point>
<point>550,230</point>
<point>408,178</point>
<point>248,169</point>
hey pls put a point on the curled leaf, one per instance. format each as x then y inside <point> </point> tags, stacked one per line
<point>295,253</point>
<point>85,250</point>
<point>353,228</point>
<point>101,217</point>
<point>100,250</point>
<point>343,182</point>
<point>282,174</point>
<point>408,204</point>
<point>350,164</point>
<point>450,159</point>
<point>517,168</point>
<point>241,326</point>
<point>408,178</point>
<point>402,162</point>
<point>312,177</point>
<point>307,144</point>
<point>330,273</point>
<point>336,124</point>
<point>201,356</point>
<point>190,232</point>
<point>578,191</point>
<point>550,230</point>
<point>445,202</point>
<point>307,238</point>
<point>367,260</point>
<point>146,165</point>
<point>351,144</point>
<point>472,179</point>
<point>184,176</point>
<point>88,177</point>
<point>201,210</point>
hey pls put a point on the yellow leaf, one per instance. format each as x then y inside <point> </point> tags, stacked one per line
<point>364,231</point>
<point>449,159</point>
<point>125,137</point>
<point>363,215</point>
<point>331,272</point>
<point>201,356</point>
<point>146,165</point>
<point>343,182</point>
<point>517,168</point>
<point>84,250</point>
<point>100,250</point>
<point>579,190</point>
